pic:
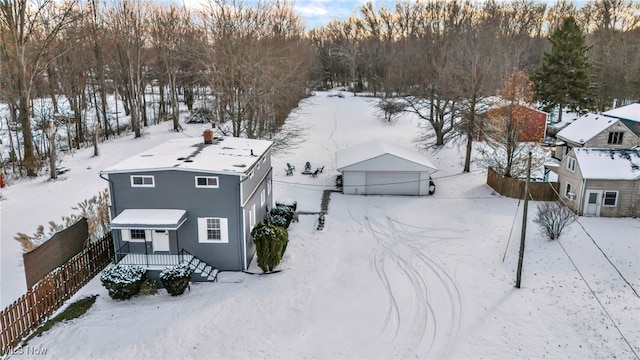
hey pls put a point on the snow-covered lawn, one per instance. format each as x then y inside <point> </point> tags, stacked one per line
<point>388,277</point>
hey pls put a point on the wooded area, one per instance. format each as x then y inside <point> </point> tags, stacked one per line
<point>250,63</point>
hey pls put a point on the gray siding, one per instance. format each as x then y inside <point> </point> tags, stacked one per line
<point>260,170</point>
<point>575,179</point>
<point>176,190</point>
<point>260,211</point>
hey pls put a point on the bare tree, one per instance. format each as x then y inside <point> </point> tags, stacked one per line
<point>505,153</point>
<point>553,218</point>
<point>27,30</point>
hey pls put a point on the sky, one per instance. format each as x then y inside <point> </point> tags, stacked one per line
<point>401,277</point>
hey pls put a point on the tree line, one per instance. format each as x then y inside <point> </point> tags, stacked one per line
<point>252,62</point>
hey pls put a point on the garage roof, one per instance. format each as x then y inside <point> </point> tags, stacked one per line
<point>362,153</point>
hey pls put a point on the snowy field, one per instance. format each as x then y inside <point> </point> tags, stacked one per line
<point>388,277</point>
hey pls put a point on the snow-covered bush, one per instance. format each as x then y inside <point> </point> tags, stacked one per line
<point>553,218</point>
<point>123,281</point>
<point>176,278</point>
<point>277,220</point>
<point>271,242</point>
<point>288,203</point>
<point>284,211</point>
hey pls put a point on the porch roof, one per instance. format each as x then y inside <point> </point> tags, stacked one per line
<point>164,219</point>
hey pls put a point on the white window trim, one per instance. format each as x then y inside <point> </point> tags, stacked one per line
<point>268,186</point>
<point>567,190</point>
<point>217,185</point>
<point>251,174</point>
<point>202,231</point>
<point>263,197</point>
<point>126,235</point>
<point>571,164</point>
<point>153,181</point>
<point>252,216</point>
<point>604,195</point>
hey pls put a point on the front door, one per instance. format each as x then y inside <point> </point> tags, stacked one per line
<point>593,198</point>
<point>160,240</point>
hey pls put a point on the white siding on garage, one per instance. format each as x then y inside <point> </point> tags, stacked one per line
<point>393,183</point>
<point>353,182</point>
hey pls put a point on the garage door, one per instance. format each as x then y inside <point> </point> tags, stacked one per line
<point>393,183</point>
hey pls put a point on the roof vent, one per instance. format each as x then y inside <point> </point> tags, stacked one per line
<point>188,160</point>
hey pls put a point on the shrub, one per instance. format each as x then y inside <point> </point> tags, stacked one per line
<point>292,204</point>
<point>553,218</point>
<point>284,211</point>
<point>271,242</point>
<point>148,287</point>
<point>123,281</point>
<point>176,278</point>
<point>276,220</point>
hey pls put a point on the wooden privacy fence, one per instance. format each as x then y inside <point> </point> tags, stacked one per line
<point>514,188</point>
<point>32,309</point>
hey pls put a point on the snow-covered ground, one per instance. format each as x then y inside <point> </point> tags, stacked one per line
<point>388,277</point>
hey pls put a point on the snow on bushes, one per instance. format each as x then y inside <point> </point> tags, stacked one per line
<point>271,243</point>
<point>123,281</point>
<point>284,211</point>
<point>176,278</point>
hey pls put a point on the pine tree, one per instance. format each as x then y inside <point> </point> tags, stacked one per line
<point>563,78</point>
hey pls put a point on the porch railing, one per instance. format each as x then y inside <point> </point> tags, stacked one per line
<point>123,256</point>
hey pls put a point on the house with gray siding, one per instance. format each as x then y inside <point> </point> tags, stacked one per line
<point>190,199</point>
<point>601,182</point>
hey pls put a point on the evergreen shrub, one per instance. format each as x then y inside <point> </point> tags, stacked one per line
<point>271,242</point>
<point>176,278</point>
<point>123,281</point>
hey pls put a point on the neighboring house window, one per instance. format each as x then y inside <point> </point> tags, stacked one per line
<point>206,181</point>
<point>610,198</point>
<point>571,164</point>
<point>568,194</point>
<point>263,198</point>
<point>213,230</point>
<point>615,138</point>
<point>142,181</point>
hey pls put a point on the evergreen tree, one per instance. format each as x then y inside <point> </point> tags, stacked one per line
<point>563,78</point>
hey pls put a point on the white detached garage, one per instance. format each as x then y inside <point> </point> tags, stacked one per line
<point>381,168</point>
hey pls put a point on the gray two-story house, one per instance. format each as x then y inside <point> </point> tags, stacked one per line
<point>189,198</point>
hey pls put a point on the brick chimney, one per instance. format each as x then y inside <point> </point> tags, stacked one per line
<point>208,136</point>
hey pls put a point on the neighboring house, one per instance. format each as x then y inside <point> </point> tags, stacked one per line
<point>629,112</point>
<point>381,168</point>
<point>533,128</point>
<point>601,182</point>
<point>190,198</point>
<point>597,131</point>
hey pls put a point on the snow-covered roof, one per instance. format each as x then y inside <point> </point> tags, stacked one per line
<point>165,219</point>
<point>585,128</point>
<point>377,148</point>
<point>228,155</point>
<point>608,164</point>
<point>629,112</point>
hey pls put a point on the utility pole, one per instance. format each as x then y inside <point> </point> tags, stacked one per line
<point>524,222</point>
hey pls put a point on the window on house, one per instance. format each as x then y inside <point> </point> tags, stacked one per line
<point>137,234</point>
<point>250,174</point>
<point>142,181</point>
<point>615,138</point>
<point>213,230</point>
<point>571,164</point>
<point>269,187</point>
<point>252,216</point>
<point>610,198</point>
<point>567,192</point>
<point>206,181</point>
<point>263,197</point>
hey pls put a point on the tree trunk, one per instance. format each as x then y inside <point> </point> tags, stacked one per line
<point>52,151</point>
<point>29,161</point>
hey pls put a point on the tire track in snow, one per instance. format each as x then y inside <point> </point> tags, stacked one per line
<point>455,300</point>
